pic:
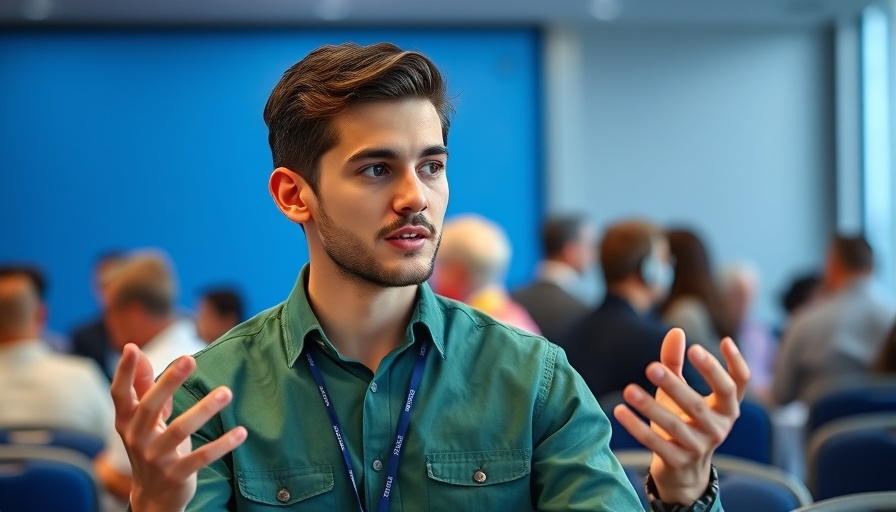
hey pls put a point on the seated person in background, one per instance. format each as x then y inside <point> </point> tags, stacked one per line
<point>738,283</point>
<point>885,362</point>
<point>364,386</point>
<point>92,339</point>
<point>611,346</point>
<point>839,335</point>
<point>804,290</point>
<point>694,302</point>
<point>568,245</point>
<point>40,388</point>
<point>471,265</point>
<point>218,311</point>
<point>141,310</point>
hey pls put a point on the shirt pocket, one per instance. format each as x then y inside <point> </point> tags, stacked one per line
<point>308,488</point>
<point>479,480</point>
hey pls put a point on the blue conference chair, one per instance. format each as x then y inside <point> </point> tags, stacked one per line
<point>744,485</point>
<point>853,455</point>
<point>861,502</point>
<point>88,444</point>
<point>42,478</point>
<point>852,397</point>
<point>750,437</point>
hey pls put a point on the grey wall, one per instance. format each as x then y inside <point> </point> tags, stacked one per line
<point>730,131</point>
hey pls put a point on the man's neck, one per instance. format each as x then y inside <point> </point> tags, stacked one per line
<point>634,293</point>
<point>364,321</point>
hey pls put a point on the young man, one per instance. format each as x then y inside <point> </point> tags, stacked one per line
<point>363,364</point>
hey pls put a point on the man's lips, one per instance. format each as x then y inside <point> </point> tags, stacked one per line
<point>409,233</point>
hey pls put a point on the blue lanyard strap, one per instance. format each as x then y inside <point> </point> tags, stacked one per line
<point>404,419</point>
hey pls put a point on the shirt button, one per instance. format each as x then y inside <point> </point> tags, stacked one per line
<point>377,465</point>
<point>283,495</point>
<point>373,387</point>
<point>479,477</point>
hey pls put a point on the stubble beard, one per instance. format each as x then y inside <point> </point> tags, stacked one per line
<point>354,261</point>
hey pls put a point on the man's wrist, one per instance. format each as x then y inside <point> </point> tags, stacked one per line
<point>703,502</point>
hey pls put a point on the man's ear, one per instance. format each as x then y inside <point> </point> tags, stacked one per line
<point>292,194</point>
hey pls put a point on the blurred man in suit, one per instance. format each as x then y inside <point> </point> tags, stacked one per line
<point>552,301</point>
<point>611,346</point>
<point>92,338</point>
<point>38,387</point>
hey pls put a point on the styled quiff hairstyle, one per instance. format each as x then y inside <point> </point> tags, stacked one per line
<point>331,79</point>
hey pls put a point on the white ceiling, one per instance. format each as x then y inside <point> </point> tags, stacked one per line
<point>433,12</point>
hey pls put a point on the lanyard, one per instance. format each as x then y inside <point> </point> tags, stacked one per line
<point>404,419</point>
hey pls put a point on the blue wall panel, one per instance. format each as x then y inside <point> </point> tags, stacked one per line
<point>125,139</point>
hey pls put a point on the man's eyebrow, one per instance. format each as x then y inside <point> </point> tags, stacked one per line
<point>435,150</point>
<point>366,154</point>
<point>389,154</point>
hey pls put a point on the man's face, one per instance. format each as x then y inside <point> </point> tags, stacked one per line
<point>211,325</point>
<point>383,192</point>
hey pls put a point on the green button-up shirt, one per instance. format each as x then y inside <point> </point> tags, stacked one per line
<point>493,400</point>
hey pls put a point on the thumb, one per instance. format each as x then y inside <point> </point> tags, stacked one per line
<point>672,351</point>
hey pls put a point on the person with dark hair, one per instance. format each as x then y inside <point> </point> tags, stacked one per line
<point>838,336</point>
<point>694,302</point>
<point>611,346</point>
<point>218,311</point>
<point>141,292</point>
<point>38,387</point>
<point>91,339</point>
<point>551,300</point>
<point>366,390</point>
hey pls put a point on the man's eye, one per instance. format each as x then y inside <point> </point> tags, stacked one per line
<point>432,168</point>
<point>375,170</point>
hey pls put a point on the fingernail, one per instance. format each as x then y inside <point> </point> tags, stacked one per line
<point>220,396</point>
<point>699,353</point>
<point>734,349</point>
<point>635,394</point>
<point>656,371</point>
<point>183,364</point>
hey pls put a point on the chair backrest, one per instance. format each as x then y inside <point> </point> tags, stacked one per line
<point>750,437</point>
<point>46,478</point>
<point>744,485</point>
<point>861,502</point>
<point>851,397</point>
<point>853,455</point>
<point>88,444</point>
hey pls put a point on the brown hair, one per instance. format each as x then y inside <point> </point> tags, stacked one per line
<point>623,248</point>
<point>853,252</point>
<point>333,78</point>
<point>693,278</point>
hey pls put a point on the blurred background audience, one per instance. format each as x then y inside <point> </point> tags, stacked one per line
<point>217,311</point>
<point>38,387</point>
<point>838,336</point>
<point>555,299</point>
<point>612,345</point>
<point>471,266</point>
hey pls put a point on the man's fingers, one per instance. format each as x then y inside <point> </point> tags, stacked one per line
<point>191,420</point>
<point>122,389</point>
<point>670,422</point>
<point>672,350</point>
<point>144,376</point>
<point>152,403</point>
<point>666,450</point>
<point>210,452</point>
<point>721,383</point>
<point>737,367</point>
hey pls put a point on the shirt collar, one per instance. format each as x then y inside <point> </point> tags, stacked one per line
<point>301,326</point>
<point>558,273</point>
